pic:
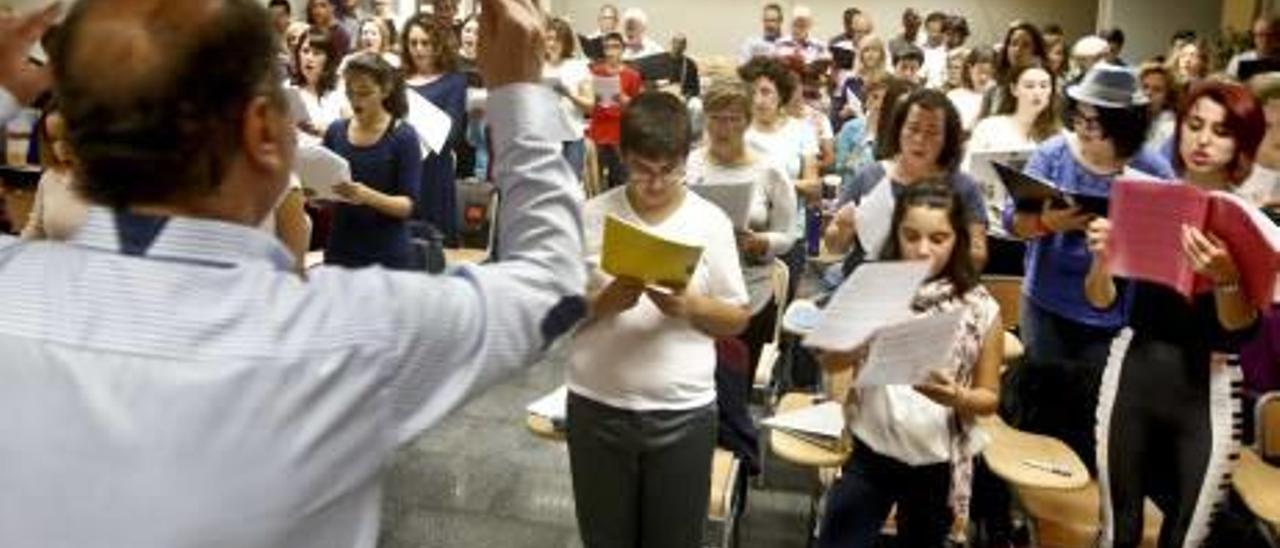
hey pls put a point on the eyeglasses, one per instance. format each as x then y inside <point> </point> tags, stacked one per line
<point>641,172</point>
<point>1086,121</point>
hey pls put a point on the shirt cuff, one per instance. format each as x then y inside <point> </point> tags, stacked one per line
<point>525,111</point>
<point>9,106</point>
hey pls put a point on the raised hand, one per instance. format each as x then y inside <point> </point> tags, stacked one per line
<point>23,79</point>
<point>511,43</point>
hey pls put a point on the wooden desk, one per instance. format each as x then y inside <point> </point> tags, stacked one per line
<point>465,256</point>
<point>542,427</point>
<point>1259,486</point>
<point>796,450</point>
<point>1010,449</point>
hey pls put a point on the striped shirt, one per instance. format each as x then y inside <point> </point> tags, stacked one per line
<point>167,382</point>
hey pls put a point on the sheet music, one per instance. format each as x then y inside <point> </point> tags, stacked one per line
<point>875,218</point>
<point>875,295</point>
<point>608,88</point>
<point>431,123</point>
<point>551,406</point>
<point>825,420</point>
<point>1146,231</point>
<point>906,353</point>
<point>732,198</point>
<point>982,170</point>
<point>320,170</point>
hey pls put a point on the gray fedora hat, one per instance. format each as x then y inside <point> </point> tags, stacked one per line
<point>1109,86</point>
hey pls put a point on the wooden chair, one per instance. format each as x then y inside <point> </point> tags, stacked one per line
<point>476,255</point>
<point>779,279</point>
<point>1007,291</point>
<point>1256,479</point>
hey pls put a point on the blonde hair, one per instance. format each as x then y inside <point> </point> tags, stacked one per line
<point>731,94</point>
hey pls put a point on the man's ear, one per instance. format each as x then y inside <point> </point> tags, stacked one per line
<point>267,136</point>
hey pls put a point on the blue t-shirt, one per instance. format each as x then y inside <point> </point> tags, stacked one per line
<point>1057,264</point>
<point>874,173</point>
<point>361,235</point>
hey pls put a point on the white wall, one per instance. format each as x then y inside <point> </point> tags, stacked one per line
<point>1148,24</point>
<point>719,26</point>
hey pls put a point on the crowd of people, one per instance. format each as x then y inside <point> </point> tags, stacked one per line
<point>160,273</point>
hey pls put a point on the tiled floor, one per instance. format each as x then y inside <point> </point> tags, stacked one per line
<point>481,480</point>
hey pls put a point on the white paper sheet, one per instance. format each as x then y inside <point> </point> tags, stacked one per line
<point>297,108</point>
<point>732,198</point>
<point>984,173</point>
<point>320,169</point>
<point>825,420</point>
<point>607,88</point>
<point>907,352</point>
<point>877,294</point>
<point>551,406</point>
<point>431,123</point>
<point>875,218</point>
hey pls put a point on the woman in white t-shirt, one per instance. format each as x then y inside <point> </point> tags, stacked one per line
<point>1263,185</point>
<point>770,230</point>
<point>1021,125</point>
<point>788,142</point>
<point>317,84</point>
<point>571,78</point>
<point>975,78</point>
<point>641,407</point>
<point>914,445</point>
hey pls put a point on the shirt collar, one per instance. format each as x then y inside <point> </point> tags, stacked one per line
<point>180,239</point>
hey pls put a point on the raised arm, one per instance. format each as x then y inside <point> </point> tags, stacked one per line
<point>463,331</point>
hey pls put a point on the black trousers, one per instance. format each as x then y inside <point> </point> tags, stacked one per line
<point>612,170</point>
<point>859,503</point>
<point>640,479</point>
<point>1168,429</point>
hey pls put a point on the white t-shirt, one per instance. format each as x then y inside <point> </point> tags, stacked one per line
<point>1262,186</point>
<point>323,111</point>
<point>773,210</point>
<point>899,422</point>
<point>934,67</point>
<point>968,103</point>
<point>996,133</point>
<point>642,360</point>
<point>571,73</point>
<point>787,146</point>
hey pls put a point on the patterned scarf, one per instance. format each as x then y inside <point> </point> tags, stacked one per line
<point>937,297</point>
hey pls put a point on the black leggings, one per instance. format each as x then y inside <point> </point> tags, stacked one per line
<point>1168,429</point>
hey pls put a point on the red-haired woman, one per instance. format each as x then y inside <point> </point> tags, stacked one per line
<point>1167,402</point>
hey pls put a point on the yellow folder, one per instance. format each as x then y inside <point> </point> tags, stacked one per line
<point>633,252</point>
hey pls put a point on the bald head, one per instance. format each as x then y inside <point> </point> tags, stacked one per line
<point>152,91</point>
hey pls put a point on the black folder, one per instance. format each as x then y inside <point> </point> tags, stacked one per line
<point>1029,193</point>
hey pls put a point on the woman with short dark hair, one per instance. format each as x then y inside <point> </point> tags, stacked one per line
<point>322,14</point>
<point>1109,116</point>
<point>923,141</point>
<point>317,58</point>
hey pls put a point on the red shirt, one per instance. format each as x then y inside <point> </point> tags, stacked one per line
<point>606,117</point>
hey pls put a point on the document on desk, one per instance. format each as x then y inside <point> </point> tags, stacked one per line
<point>905,353</point>
<point>551,406</point>
<point>431,123</point>
<point>822,423</point>
<point>876,295</point>
<point>732,198</point>
<point>320,170</point>
<point>631,251</point>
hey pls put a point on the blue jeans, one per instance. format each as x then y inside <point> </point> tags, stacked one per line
<point>575,152</point>
<point>1050,338</point>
